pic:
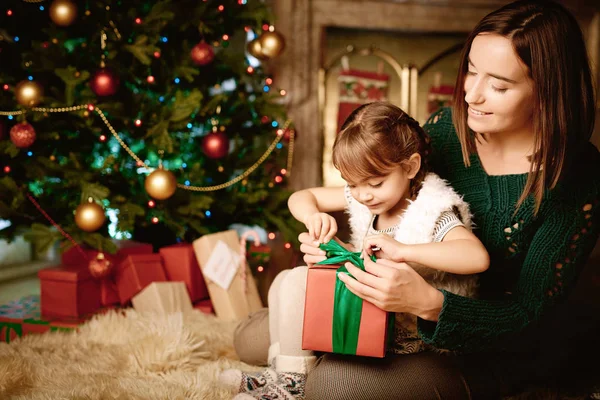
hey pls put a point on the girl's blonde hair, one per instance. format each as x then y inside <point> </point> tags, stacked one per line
<point>375,139</point>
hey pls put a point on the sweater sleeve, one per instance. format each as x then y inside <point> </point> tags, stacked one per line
<point>559,249</point>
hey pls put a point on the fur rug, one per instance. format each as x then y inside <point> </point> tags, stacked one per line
<point>123,355</point>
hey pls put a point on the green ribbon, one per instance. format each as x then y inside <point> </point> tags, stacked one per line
<point>347,307</point>
<point>14,326</point>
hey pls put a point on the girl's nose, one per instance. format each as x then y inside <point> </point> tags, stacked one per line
<point>366,195</point>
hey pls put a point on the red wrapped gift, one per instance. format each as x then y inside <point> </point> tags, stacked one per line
<point>136,272</point>
<point>181,265</point>
<point>68,292</point>
<point>318,329</point>
<point>73,256</point>
<point>205,306</point>
<point>108,289</point>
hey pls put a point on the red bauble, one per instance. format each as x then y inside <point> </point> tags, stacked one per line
<point>104,82</point>
<point>287,133</point>
<point>22,135</point>
<point>215,145</point>
<point>100,267</point>
<point>202,54</point>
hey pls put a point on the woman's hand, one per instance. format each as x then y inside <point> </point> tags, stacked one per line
<point>321,226</point>
<point>386,247</point>
<point>310,247</point>
<point>394,287</point>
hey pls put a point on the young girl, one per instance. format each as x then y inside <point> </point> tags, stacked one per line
<point>381,154</point>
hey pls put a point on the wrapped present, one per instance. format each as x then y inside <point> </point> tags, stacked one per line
<point>81,257</point>
<point>73,256</point>
<point>180,265</point>
<point>136,272</point>
<point>22,317</point>
<point>68,292</point>
<point>335,319</point>
<point>205,306</point>
<point>228,278</point>
<point>162,298</point>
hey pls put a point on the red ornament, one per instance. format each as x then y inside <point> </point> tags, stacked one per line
<point>215,145</point>
<point>22,135</point>
<point>100,267</point>
<point>202,53</point>
<point>287,133</point>
<point>104,82</point>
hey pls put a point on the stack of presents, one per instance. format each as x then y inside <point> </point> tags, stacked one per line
<point>209,274</point>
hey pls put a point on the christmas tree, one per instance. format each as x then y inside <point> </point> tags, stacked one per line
<point>119,117</point>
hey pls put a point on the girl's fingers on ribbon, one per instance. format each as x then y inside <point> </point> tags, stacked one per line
<point>317,228</point>
<point>332,231</point>
<point>325,224</point>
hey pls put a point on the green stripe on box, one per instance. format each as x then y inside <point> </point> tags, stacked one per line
<point>10,326</point>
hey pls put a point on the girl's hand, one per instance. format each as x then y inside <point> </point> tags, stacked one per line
<point>321,226</point>
<point>310,247</point>
<point>386,247</point>
<point>394,287</point>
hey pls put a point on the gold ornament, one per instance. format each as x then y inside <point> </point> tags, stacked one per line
<point>255,49</point>
<point>63,12</point>
<point>272,44</point>
<point>89,216</point>
<point>28,93</point>
<point>161,184</point>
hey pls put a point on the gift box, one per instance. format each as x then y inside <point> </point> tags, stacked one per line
<point>22,317</point>
<point>136,272</point>
<point>336,320</point>
<point>232,289</point>
<point>180,265</point>
<point>205,306</point>
<point>108,289</point>
<point>68,292</point>
<point>74,257</point>
<point>162,298</point>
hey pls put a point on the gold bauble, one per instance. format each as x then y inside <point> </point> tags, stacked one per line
<point>161,184</point>
<point>63,12</point>
<point>89,216</point>
<point>255,49</point>
<point>28,93</point>
<point>272,44</point>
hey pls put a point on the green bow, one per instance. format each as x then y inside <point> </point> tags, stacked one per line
<point>347,307</point>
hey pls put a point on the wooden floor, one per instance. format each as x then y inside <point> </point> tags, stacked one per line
<point>16,288</point>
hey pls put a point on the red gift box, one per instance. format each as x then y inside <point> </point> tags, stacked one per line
<point>136,272</point>
<point>73,256</point>
<point>317,333</point>
<point>181,265</point>
<point>68,292</point>
<point>108,289</point>
<point>205,306</point>
<point>22,317</point>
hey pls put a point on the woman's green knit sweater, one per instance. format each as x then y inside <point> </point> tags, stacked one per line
<point>535,260</point>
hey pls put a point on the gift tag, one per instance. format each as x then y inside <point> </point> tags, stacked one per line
<point>222,265</point>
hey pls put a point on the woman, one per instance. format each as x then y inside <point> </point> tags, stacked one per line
<point>516,146</point>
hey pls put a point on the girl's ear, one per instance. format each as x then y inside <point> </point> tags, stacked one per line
<point>412,165</point>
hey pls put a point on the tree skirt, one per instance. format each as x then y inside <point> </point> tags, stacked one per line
<point>123,355</point>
